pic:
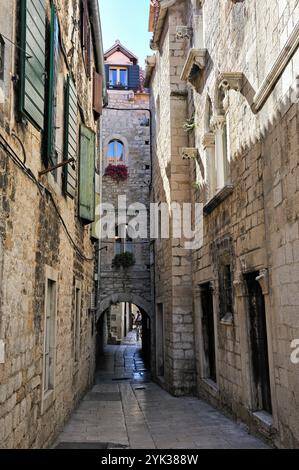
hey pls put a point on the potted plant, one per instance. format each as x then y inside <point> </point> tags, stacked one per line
<point>117,172</point>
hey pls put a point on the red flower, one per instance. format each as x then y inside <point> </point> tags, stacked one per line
<point>117,172</point>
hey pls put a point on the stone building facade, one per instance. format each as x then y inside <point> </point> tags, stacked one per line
<point>51,98</point>
<point>126,144</point>
<point>228,70</point>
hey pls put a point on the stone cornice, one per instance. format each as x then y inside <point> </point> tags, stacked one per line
<point>196,57</point>
<point>277,70</point>
<point>164,5</point>
<point>218,199</point>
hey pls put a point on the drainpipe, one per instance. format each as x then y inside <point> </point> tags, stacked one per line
<point>95,19</point>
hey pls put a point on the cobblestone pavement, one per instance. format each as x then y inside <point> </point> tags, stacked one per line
<point>126,409</point>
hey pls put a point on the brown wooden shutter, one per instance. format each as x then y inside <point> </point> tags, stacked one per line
<point>97,93</point>
<point>87,175</point>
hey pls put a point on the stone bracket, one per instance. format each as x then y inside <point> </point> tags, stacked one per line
<point>187,153</point>
<point>183,32</point>
<point>263,280</point>
<point>231,81</point>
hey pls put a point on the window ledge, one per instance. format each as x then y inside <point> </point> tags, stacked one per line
<point>195,63</point>
<point>218,198</point>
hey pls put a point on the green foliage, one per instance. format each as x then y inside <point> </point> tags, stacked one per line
<point>189,125</point>
<point>125,260</point>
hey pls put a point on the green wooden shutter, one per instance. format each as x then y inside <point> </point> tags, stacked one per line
<point>32,60</point>
<point>87,175</point>
<point>52,95</point>
<point>70,137</point>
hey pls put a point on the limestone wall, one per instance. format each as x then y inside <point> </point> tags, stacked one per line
<point>132,127</point>
<point>255,227</point>
<point>171,183</point>
<point>32,240</point>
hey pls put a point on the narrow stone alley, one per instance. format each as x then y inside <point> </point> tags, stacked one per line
<point>125,409</point>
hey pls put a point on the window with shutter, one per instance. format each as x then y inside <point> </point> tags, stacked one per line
<point>32,60</point>
<point>97,93</point>
<point>87,175</point>
<point>70,137</point>
<point>134,77</point>
<point>52,83</point>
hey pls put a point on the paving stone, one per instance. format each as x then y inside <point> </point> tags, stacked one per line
<point>149,418</point>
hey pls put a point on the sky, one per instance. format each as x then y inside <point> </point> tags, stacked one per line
<point>127,20</point>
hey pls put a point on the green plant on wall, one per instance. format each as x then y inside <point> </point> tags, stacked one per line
<point>189,125</point>
<point>124,260</point>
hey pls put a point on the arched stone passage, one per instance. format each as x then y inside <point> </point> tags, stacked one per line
<point>124,297</point>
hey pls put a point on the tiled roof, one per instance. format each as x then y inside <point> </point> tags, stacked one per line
<point>118,46</point>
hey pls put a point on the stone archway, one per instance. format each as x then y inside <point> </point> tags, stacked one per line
<point>124,297</point>
<point>145,309</point>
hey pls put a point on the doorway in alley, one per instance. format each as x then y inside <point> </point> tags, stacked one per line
<point>208,331</point>
<point>258,344</point>
<point>124,323</point>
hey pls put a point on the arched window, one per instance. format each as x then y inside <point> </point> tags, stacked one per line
<point>115,152</point>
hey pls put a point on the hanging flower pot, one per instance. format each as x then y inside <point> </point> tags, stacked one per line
<point>117,172</point>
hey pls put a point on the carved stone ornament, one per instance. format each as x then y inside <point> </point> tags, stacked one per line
<point>183,32</point>
<point>231,81</point>
<point>196,61</point>
<point>189,152</point>
<point>218,123</point>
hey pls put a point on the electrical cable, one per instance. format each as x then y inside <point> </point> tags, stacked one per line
<point>42,190</point>
<point>16,45</point>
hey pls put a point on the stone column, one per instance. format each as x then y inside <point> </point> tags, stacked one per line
<point>218,125</point>
<point>209,148</point>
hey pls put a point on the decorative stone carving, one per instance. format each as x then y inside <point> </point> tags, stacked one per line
<point>263,280</point>
<point>183,32</point>
<point>189,152</point>
<point>195,63</point>
<point>231,81</point>
<point>218,123</point>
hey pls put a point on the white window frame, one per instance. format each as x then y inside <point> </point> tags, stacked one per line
<point>114,160</point>
<point>48,394</point>
<point>118,70</point>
